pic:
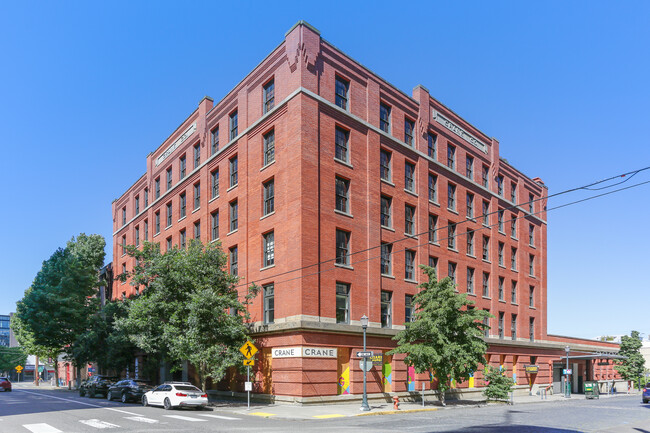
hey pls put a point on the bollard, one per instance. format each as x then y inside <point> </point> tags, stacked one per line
<point>396,403</point>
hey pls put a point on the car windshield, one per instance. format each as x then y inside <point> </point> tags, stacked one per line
<point>187,388</point>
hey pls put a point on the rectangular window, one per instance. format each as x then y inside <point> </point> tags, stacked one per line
<point>146,197</point>
<point>409,176</point>
<point>341,92</point>
<point>233,261</point>
<point>157,222</point>
<point>386,211</point>
<point>513,226</point>
<point>234,211</point>
<point>137,236</point>
<point>431,145</point>
<point>269,147</point>
<point>269,197</point>
<point>233,122</point>
<point>269,303</point>
<point>409,220</point>
<point>513,327</point>
<point>269,249</point>
<point>409,127</point>
<point>269,96</point>
<point>183,239</point>
<point>214,220</point>
<point>470,243</point>
<point>531,203</point>
<point>531,329</point>
<point>470,205</point>
<point>386,309</point>
<point>470,281</point>
<point>215,183</point>
<point>513,259</point>
<point>197,196</point>
<point>197,230</point>
<point>123,244</point>
<point>433,228</point>
<point>501,289</point>
<point>123,215</point>
<point>181,169</point>
<point>137,204</point>
<point>513,192</point>
<point>342,303</point>
<point>486,328</point>
<point>384,118</point>
<point>500,220</point>
<point>531,235</point>
<point>409,265</point>
<point>486,285</point>
<point>234,171</point>
<point>451,156</point>
<point>342,247</point>
<point>384,165</point>
<point>157,187</point>
<point>341,144</point>
<point>469,167</point>
<point>169,243</point>
<point>451,235</point>
<point>409,309</point>
<point>146,230</point>
<point>342,191</point>
<point>433,190</point>
<point>451,271</point>
<point>501,324</point>
<point>433,263</point>
<point>169,214</point>
<point>486,248</point>
<point>485,176</point>
<point>500,253</point>
<point>513,293</point>
<point>531,296</point>
<point>197,155</point>
<point>386,251</point>
<point>182,199</point>
<point>486,213</point>
<point>451,196</point>
<point>500,185</point>
<point>531,265</point>
<point>169,178</point>
<point>214,135</point>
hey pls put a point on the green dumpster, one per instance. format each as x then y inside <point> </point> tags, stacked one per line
<point>591,390</point>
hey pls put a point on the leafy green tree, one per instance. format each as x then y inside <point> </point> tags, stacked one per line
<point>446,337</point>
<point>631,368</point>
<point>498,384</point>
<point>25,338</point>
<point>189,308</point>
<point>10,357</point>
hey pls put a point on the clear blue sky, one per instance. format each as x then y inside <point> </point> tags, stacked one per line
<point>88,89</point>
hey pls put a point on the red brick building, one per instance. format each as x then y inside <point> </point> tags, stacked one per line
<point>328,186</point>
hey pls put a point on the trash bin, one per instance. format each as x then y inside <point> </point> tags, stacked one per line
<point>591,390</point>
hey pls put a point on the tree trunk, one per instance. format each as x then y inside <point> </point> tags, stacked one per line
<point>56,370</point>
<point>37,375</point>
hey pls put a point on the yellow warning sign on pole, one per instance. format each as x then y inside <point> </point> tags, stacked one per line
<point>250,362</point>
<point>248,350</point>
<point>19,368</point>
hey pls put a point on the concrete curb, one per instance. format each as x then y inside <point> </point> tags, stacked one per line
<point>393,412</point>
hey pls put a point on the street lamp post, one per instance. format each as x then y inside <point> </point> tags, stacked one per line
<point>364,402</point>
<point>567,386</point>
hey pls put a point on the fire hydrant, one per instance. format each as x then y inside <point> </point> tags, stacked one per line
<point>396,402</point>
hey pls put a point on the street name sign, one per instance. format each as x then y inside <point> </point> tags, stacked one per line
<point>366,354</point>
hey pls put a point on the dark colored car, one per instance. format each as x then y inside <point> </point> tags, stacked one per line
<point>5,384</point>
<point>128,390</point>
<point>646,393</point>
<point>97,385</point>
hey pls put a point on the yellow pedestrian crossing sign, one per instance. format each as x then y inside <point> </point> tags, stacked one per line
<point>248,350</point>
<point>19,368</point>
<point>250,362</point>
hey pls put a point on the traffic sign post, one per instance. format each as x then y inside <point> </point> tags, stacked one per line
<point>249,350</point>
<point>19,369</point>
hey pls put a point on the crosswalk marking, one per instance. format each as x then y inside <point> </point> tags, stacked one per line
<point>220,417</point>
<point>97,423</point>
<point>142,419</point>
<point>185,418</point>
<point>41,428</point>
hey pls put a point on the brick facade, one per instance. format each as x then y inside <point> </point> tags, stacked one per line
<point>303,120</point>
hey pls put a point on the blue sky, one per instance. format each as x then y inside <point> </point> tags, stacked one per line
<point>88,89</point>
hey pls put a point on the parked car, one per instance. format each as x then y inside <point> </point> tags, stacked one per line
<point>646,393</point>
<point>128,390</point>
<point>175,394</point>
<point>97,385</point>
<point>5,384</point>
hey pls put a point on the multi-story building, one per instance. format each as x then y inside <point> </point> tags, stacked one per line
<point>328,186</point>
<point>5,331</point>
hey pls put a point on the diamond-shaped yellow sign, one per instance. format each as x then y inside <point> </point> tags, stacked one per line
<point>19,368</point>
<point>248,350</point>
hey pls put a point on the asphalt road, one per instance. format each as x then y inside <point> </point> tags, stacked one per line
<point>42,411</point>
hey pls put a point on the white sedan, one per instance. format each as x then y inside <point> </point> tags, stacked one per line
<point>175,394</point>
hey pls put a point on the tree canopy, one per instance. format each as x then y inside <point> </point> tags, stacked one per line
<point>633,367</point>
<point>10,357</point>
<point>446,337</point>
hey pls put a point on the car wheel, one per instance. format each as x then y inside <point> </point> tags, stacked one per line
<point>109,395</point>
<point>82,393</point>
<point>144,401</point>
<point>167,404</point>
<point>124,399</point>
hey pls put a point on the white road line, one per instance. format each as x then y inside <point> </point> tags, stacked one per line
<point>121,411</point>
<point>82,402</point>
<point>220,417</point>
<point>97,423</point>
<point>184,418</point>
<point>141,419</point>
<point>41,428</point>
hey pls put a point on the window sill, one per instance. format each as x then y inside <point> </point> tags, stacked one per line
<point>349,215</point>
<point>408,280</point>
<point>502,301</point>
<point>532,308</point>
<point>388,228</point>
<point>514,238</point>
<point>514,270</point>
<point>452,249</point>
<point>388,276</point>
<point>345,163</point>
<point>435,203</point>
<point>196,210</point>
<point>486,297</point>
<point>413,193</point>
<point>182,218</point>
<point>501,266</point>
<point>471,294</point>
<point>340,265</point>
<point>533,277</point>
<point>452,210</point>
<point>487,261</point>
<point>434,243</point>
<point>213,198</point>
<point>501,232</point>
<point>267,215</point>
<point>214,240</point>
<point>233,187</point>
<point>267,267</point>
<point>471,255</point>
<point>168,227</point>
<point>408,235</point>
<point>532,246</point>
<point>229,233</point>
<point>156,234</point>
<point>267,165</point>
<point>386,181</point>
<point>123,254</point>
<point>469,218</point>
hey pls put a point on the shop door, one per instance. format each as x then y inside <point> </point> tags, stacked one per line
<point>267,371</point>
<point>557,380</point>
